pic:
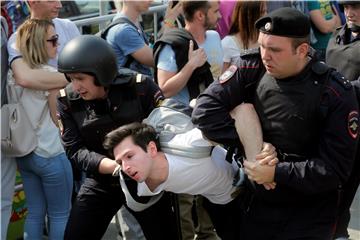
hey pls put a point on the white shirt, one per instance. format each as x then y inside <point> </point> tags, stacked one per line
<point>210,177</point>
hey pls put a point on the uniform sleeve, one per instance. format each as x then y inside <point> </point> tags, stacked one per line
<point>150,95</point>
<point>332,164</point>
<point>80,157</point>
<point>211,113</point>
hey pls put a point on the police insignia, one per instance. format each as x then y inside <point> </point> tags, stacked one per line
<point>227,74</point>
<point>268,26</point>
<point>353,124</point>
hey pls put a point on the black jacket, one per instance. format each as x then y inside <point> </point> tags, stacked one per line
<point>332,147</point>
<point>179,39</point>
<point>85,123</point>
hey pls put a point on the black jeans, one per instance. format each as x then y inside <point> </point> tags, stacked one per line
<point>97,203</point>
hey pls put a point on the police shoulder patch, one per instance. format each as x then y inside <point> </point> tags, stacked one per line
<point>353,124</point>
<point>228,74</point>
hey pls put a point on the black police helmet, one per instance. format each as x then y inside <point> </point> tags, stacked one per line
<point>89,54</point>
<point>343,2</point>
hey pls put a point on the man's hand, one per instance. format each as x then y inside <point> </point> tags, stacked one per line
<point>260,173</point>
<point>197,57</point>
<point>268,156</point>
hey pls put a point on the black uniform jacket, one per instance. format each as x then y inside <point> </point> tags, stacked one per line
<point>332,120</point>
<point>84,124</point>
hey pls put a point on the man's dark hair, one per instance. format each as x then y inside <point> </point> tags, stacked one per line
<point>190,7</point>
<point>295,42</point>
<point>140,133</point>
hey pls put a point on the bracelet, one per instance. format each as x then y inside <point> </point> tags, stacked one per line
<point>169,23</point>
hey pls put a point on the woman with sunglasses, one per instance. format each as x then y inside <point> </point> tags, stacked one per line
<point>46,172</point>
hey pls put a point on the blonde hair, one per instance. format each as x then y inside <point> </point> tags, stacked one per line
<point>31,41</point>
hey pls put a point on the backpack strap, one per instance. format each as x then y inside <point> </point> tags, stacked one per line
<point>117,21</point>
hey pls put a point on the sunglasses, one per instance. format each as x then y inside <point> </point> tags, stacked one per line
<point>54,40</point>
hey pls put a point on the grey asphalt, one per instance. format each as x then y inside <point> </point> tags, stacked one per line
<point>354,226</point>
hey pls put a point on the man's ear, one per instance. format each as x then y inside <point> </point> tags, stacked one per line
<point>199,15</point>
<point>303,49</point>
<point>152,149</point>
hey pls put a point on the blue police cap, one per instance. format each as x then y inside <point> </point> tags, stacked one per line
<point>286,22</point>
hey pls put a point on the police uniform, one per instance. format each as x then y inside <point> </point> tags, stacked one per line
<point>343,53</point>
<point>311,119</point>
<point>84,125</point>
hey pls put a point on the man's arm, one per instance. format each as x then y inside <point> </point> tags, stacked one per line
<point>144,56</point>
<point>132,43</point>
<point>81,157</point>
<point>171,82</point>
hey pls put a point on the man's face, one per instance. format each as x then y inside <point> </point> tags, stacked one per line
<point>278,56</point>
<point>135,162</point>
<point>46,9</point>
<point>352,14</point>
<point>142,6</point>
<point>213,15</point>
<point>83,84</point>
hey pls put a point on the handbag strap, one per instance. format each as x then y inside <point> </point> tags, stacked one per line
<point>15,98</point>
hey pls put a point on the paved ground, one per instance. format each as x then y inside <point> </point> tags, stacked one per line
<point>354,226</point>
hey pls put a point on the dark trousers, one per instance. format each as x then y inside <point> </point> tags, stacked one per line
<point>97,203</point>
<point>226,218</point>
<point>348,194</point>
<point>312,221</point>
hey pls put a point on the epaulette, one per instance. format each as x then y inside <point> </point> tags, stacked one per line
<point>228,74</point>
<point>341,80</point>
<point>249,52</point>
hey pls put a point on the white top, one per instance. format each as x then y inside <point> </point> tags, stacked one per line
<point>210,177</point>
<point>231,50</point>
<point>66,30</point>
<point>35,102</point>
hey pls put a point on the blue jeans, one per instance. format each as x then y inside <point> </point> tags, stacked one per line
<point>48,186</point>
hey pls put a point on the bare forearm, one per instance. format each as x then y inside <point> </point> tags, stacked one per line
<point>174,84</point>
<point>37,79</point>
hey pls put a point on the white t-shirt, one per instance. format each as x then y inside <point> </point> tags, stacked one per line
<point>36,106</point>
<point>210,177</point>
<point>66,30</point>
<point>231,50</point>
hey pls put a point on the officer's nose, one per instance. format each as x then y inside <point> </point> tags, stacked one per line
<point>75,85</point>
<point>265,54</point>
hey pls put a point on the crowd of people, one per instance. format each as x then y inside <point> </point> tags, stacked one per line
<point>273,88</point>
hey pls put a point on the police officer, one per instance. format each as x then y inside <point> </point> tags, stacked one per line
<point>345,43</point>
<point>98,100</point>
<point>307,111</point>
<point>343,54</point>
